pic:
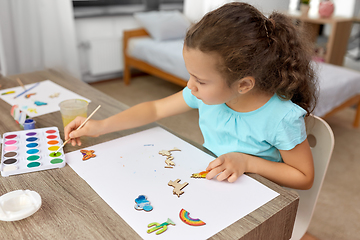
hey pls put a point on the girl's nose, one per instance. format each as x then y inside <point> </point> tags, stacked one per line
<point>191,85</point>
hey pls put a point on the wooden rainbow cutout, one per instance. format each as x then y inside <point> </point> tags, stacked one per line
<point>184,216</point>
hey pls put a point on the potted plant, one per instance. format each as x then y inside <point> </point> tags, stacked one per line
<point>304,7</point>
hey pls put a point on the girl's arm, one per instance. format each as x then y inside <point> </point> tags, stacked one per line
<point>297,171</point>
<point>145,113</point>
<point>135,116</point>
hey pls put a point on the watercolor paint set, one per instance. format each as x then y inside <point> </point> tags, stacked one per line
<point>31,150</point>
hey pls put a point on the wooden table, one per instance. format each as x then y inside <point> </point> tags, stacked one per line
<point>336,47</point>
<point>72,210</point>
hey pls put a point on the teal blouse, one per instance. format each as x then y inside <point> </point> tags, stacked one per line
<point>277,125</point>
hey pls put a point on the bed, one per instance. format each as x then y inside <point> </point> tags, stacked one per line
<point>339,86</point>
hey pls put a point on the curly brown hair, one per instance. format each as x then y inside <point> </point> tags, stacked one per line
<point>274,50</point>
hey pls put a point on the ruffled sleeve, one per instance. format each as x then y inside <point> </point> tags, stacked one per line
<point>190,99</point>
<point>291,130</point>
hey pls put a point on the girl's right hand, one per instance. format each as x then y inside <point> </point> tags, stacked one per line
<point>92,128</point>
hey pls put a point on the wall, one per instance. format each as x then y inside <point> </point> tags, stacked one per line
<point>196,9</point>
<point>344,8</point>
<point>268,6</point>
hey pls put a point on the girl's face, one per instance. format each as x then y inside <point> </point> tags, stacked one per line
<point>205,81</point>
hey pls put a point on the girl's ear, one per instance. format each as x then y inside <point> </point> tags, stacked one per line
<point>246,84</point>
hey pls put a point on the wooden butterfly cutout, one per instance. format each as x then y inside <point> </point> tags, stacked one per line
<point>87,154</point>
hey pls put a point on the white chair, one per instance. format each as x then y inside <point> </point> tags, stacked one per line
<point>321,140</point>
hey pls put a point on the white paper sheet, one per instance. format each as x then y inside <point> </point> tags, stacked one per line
<point>42,94</point>
<point>130,166</point>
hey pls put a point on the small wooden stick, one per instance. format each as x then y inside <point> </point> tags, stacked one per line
<point>20,83</point>
<point>86,120</point>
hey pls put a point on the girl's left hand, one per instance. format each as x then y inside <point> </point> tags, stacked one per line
<point>229,166</point>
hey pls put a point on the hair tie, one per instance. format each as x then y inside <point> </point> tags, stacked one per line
<point>267,33</point>
<point>272,22</point>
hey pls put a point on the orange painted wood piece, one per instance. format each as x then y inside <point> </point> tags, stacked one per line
<point>200,174</point>
<point>87,154</point>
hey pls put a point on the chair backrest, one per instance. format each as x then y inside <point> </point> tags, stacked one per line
<point>321,140</point>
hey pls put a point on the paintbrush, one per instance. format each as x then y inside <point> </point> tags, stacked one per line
<point>86,120</point>
<point>20,83</point>
<point>27,90</point>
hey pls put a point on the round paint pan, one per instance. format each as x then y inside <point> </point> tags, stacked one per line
<point>33,158</point>
<point>32,139</point>
<point>53,148</point>
<point>11,136</point>
<point>11,142</point>
<point>19,204</point>
<point>10,161</point>
<point>31,134</point>
<point>10,148</point>
<point>32,145</point>
<point>51,131</point>
<point>56,161</point>
<point>54,154</point>
<point>33,151</point>
<point>52,137</point>
<point>53,142</point>
<point>9,168</point>
<point>10,155</point>
<point>33,164</point>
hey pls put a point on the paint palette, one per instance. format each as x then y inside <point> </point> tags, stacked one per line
<point>31,150</point>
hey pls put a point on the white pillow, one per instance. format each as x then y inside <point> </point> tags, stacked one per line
<point>163,25</point>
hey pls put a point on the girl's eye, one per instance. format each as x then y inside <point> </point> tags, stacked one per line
<point>199,82</point>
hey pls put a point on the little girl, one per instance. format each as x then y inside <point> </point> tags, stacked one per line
<point>252,83</point>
